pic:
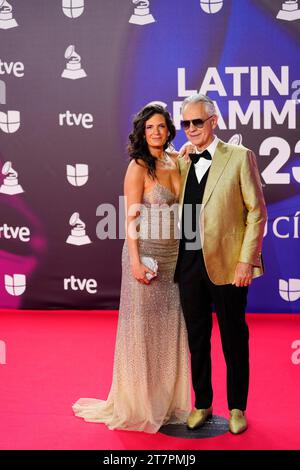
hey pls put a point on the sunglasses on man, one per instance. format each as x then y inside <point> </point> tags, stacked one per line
<point>199,123</point>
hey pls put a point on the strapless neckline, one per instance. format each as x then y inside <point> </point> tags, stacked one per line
<point>163,187</point>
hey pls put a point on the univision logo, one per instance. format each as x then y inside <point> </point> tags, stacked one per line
<point>78,174</point>
<point>289,290</point>
<point>73,8</point>
<point>15,284</point>
<point>10,121</point>
<point>211,6</point>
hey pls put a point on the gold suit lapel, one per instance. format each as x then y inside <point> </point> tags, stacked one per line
<point>219,162</point>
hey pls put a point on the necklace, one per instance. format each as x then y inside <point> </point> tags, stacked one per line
<point>164,160</point>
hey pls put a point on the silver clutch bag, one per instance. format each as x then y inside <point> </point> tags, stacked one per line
<point>150,263</point>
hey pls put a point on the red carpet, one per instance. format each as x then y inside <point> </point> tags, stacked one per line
<point>53,358</point>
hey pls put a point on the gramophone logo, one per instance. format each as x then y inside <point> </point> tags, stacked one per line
<point>73,8</point>
<point>211,6</point>
<point>15,284</point>
<point>78,235</point>
<point>7,20</point>
<point>10,184</point>
<point>289,290</point>
<point>141,14</point>
<point>73,69</point>
<point>289,11</point>
<point>78,174</point>
<point>236,139</point>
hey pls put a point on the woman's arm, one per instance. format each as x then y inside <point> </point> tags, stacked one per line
<point>133,190</point>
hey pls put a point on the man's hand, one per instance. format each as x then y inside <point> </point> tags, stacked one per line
<point>185,150</point>
<point>243,275</point>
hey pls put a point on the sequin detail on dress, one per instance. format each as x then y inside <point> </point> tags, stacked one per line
<point>151,385</point>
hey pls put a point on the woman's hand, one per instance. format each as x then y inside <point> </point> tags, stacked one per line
<point>139,272</point>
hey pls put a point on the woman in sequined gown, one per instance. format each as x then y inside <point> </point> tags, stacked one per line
<point>150,384</point>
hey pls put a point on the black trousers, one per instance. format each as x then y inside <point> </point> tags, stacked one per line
<point>198,297</point>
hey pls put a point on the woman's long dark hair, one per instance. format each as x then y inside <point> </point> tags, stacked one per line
<point>137,147</point>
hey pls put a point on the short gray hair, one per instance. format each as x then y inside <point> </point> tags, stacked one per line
<point>198,98</point>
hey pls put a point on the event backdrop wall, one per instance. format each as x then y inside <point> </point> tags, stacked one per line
<point>72,75</point>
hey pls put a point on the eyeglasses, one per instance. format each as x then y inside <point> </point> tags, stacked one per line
<point>199,123</point>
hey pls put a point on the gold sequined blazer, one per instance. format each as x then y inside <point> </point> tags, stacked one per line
<point>233,214</point>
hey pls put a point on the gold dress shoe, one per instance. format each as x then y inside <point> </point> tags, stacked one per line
<point>237,421</point>
<point>198,417</point>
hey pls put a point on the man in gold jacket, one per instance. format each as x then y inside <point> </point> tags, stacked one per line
<point>223,214</point>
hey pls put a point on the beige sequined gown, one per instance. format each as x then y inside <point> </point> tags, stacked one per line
<point>150,384</point>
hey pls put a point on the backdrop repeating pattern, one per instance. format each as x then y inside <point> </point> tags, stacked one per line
<point>72,75</point>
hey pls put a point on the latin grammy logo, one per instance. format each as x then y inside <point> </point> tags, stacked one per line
<point>73,68</point>
<point>211,6</point>
<point>7,20</point>
<point>236,139</point>
<point>73,8</point>
<point>10,184</point>
<point>141,15</point>
<point>289,11</point>
<point>78,235</point>
<point>15,284</point>
<point>78,174</point>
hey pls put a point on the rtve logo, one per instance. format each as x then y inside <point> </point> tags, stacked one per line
<point>73,283</point>
<point>289,290</point>
<point>15,284</point>
<point>15,68</point>
<point>73,8</point>
<point>72,119</point>
<point>22,233</point>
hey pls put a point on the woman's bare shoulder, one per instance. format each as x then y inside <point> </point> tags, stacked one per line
<point>136,169</point>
